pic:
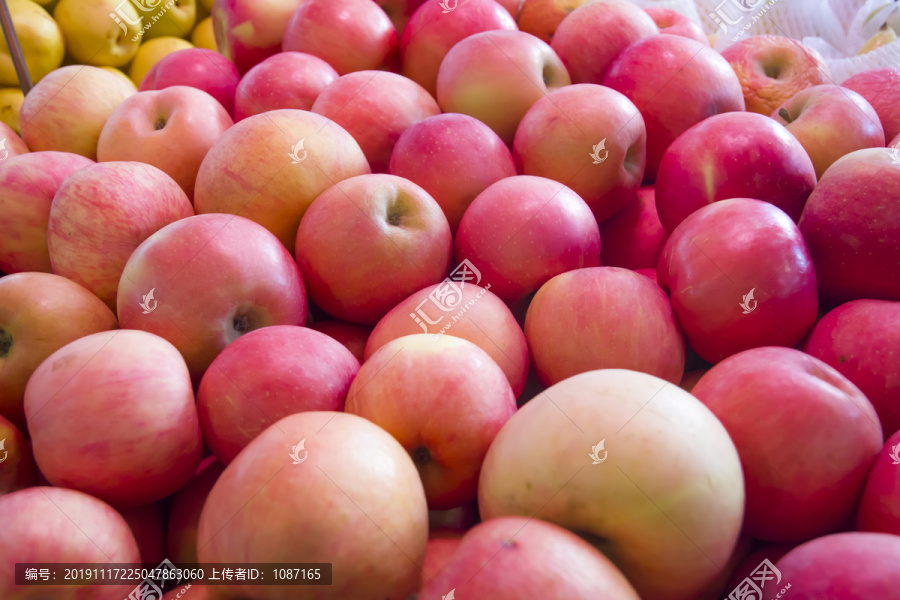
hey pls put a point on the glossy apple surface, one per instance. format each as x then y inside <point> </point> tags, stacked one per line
<point>880,88</point>
<point>286,80</point>
<point>203,69</point>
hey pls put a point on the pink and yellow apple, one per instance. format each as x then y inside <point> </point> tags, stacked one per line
<point>673,22</point>
<point>203,69</point>
<point>250,31</point>
<point>286,80</point>
<point>11,144</point>
<point>541,18</point>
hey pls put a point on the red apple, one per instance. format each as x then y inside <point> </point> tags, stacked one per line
<point>148,525</point>
<point>131,378</point>
<point>496,76</point>
<point>171,129</point>
<point>266,375</point>
<point>270,167</point>
<point>851,231</point>
<point>17,469</point>
<point>586,54</point>
<point>637,466</point>
<point>830,122</point>
<point>571,133</point>
<point>603,318</point>
<point>444,399</point>
<point>432,31</point>
<point>454,158</point>
<point>286,80</point>
<point>879,509</point>
<point>204,281</point>
<point>375,107</point>
<point>249,31</point>
<point>462,310</point>
<point>673,22</point>
<point>28,184</point>
<point>633,238</point>
<point>369,242</point>
<point>352,476</point>
<point>102,213</point>
<point>352,336</point>
<point>733,155</point>
<point>791,496</point>
<point>203,69</point>
<point>518,558</point>
<point>56,525</point>
<point>522,231</point>
<point>772,68</point>
<point>541,18</point>
<point>651,72</point>
<point>740,277</point>
<point>39,314</point>
<point>844,566</point>
<point>880,88</point>
<point>187,504</point>
<point>350,35</point>
<point>860,339</point>
<point>442,543</point>
<point>66,110</point>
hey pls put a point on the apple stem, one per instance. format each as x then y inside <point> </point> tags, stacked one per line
<point>5,343</point>
<point>783,113</point>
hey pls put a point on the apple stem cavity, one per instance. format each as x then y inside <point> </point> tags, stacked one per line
<point>6,341</point>
<point>241,324</point>
<point>421,456</point>
<point>160,124</point>
<point>783,113</point>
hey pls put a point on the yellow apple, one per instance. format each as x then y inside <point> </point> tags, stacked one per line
<point>204,36</point>
<point>173,18</point>
<point>10,105</point>
<point>153,51</point>
<point>41,40</point>
<point>99,32</point>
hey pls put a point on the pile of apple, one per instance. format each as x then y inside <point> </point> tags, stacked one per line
<point>469,299</point>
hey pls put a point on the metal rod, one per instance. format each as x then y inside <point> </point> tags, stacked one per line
<point>15,49</point>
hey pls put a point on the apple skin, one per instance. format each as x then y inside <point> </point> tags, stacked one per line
<point>733,155</point>
<point>496,76</point>
<point>251,172</point>
<point>516,558</point>
<point>80,389</point>
<point>633,238</point>
<point>431,33</point>
<point>830,122</point>
<point>852,243</point>
<point>772,68</point>
<point>444,399</point>
<point>28,184</point>
<point>442,543</point>
<point>171,129</point>
<point>673,22</point>
<point>200,68</point>
<point>323,28</point>
<point>250,31</point>
<point>790,497</point>
<point>722,252</point>
<point>454,158</point>
<point>148,525</point>
<point>697,486</point>
<point>101,213</point>
<point>860,339</point>
<point>369,242</point>
<point>13,145</point>
<point>75,528</point>
<point>879,509</point>
<point>350,335</point>
<point>233,276</point>
<point>657,63</point>
<point>266,375</point>
<point>286,80</point>
<point>375,107</point>
<point>541,18</point>
<point>184,517</point>
<point>880,88</point>
<point>39,314</point>
<point>66,110</point>
<point>556,136</point>
<point>843,566</point>
<point>486,322</point>
<point>586,55</point>
<point>17,470</point>
<point>522,231</point>
<point>630,325</point>
<point>354,477</point>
